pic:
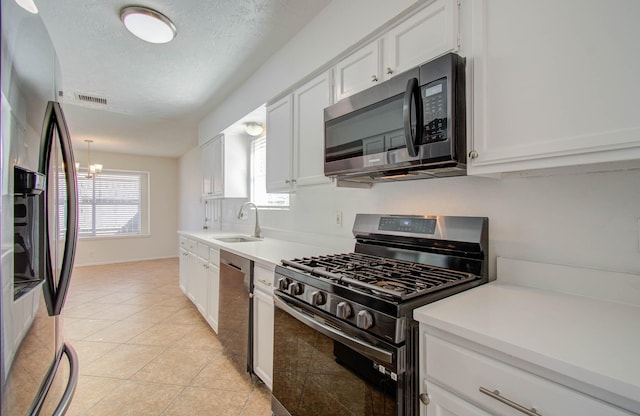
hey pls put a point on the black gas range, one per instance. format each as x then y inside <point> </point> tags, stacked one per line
<point>362,303</point>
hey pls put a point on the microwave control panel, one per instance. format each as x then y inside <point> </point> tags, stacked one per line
<point>434,103</point>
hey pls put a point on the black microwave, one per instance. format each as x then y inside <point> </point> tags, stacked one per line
<point>412,126</point>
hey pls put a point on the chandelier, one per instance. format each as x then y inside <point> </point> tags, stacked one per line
<point>92,169</point>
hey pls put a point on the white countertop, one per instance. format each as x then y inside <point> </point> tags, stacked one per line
<point>591,341</point>
<point>267,251</point>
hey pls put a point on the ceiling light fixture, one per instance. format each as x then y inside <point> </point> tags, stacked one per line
<point>28,5</point>
<point>253,129</point>
<point>147,24</point>
<point>94,169</point>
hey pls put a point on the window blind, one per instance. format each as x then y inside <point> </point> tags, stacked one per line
<point>110,203</point>
<point>259,195</point>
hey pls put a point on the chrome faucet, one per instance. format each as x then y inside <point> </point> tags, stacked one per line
<point>257,231</point>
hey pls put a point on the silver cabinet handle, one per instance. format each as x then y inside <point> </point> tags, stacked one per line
<point>496,395</point>
<point>287,181</point>
<point>389,71</point>
<point>374,78</point>
<point>424,398</point>
<point>473,154</point>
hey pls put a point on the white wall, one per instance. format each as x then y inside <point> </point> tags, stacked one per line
<point>190,210</point>
<point>337,27</point>
<point>163,239</point>
<point>589,220</point>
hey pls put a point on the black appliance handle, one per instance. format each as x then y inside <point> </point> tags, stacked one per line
<point>72,383</point>
<point>56,289</point>
<point>65,401</point>
<point>412,94</point>
<point>368,350</point>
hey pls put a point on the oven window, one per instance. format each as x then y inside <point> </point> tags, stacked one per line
<point>312,374</point>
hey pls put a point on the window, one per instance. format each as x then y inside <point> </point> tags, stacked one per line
<point>259,195</point>
<point>113,203</point>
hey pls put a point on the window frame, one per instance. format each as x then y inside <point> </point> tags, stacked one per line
<point>252,167</point>
<point>144,206</point>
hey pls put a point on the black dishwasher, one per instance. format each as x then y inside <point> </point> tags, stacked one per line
<point>235,315</point>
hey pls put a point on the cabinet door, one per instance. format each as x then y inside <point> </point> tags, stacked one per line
<point>263,335</point>
<point>206,169</point>
<point>443,403</point>
<point>428,33</point>
<point>217,166</point>
<point>280,146</point>
<point>213,273</point>
<point>201,285</point>
<point>192,270</point>
<point>309,102</point>
<point>554,84</point>
<point>184,270</point>
<point>359,71</point>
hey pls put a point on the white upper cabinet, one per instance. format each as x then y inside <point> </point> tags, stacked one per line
<point>360,70</point>
<point>429,32</point>
<point>554,83</point>
<point>225,167</point>
<point>309,102</point>
<point>295,136</point>
<point>280,145</point>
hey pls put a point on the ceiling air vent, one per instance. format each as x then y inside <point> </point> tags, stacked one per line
<point>90,99</point>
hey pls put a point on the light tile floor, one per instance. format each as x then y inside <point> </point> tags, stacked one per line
<point>144,349</point>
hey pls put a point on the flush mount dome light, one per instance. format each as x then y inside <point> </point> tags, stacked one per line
<point>28,5</point>
<point>147,24</point>
<point>253,129</point>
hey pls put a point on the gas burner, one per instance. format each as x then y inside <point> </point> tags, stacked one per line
<point>383,277</point>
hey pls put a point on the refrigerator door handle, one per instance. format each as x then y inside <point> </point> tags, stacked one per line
<point>72,383</point>
<point>56,288</point>
<point>65,401</point>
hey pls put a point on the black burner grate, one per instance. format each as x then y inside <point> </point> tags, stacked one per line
<point>384,277</point>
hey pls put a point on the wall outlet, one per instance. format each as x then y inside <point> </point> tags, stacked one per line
<point>338,218</point>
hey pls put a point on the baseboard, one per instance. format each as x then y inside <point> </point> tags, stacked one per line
<point>123,261</point>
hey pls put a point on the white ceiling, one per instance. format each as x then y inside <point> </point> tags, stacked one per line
<point>157,94</point>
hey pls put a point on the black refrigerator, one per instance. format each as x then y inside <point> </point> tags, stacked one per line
<point>38,369</point>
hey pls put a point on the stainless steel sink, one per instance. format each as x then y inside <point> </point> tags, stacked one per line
<point>237,239</point>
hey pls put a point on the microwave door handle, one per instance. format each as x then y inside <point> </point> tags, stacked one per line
<point>412,96</point>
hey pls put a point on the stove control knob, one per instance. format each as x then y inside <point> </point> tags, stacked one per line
<point>283,284</point>
<point>296,289</point>
<point>343,310</point>
<point>364,320</point>
<point>318,298</point>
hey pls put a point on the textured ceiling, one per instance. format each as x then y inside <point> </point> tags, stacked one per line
<point>156,94</point>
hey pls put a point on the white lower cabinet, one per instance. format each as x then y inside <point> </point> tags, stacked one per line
<point>263,324</point>
<point>213,277</point>
<point>184,269</point>
<point>200,285</point>
<point>443,403</point>
<point>200,277</point>
<point>460,381</point>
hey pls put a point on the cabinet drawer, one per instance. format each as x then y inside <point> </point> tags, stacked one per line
<point>202,251</point>
<point>263,278</point>
<point>191,244</point>
<point>464,372</point>
<point>214,256</point>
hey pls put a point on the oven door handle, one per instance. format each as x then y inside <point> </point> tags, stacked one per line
<point>363,347</point>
